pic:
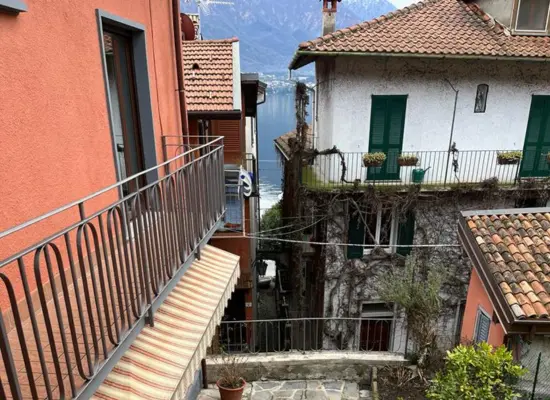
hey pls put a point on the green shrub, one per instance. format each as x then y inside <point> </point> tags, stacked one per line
<point>476,372</point>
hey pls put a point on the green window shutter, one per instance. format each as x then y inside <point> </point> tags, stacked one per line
<point>378,124</point>
<point>483,325</point>
<point>386,133</point>
<point>396,125</point>
<point>356,235</point>
<point>405,234</point>
<point>537,139</point>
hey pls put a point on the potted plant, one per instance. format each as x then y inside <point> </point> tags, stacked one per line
<point>374,159</point>
<point>509,157</point>
<point>548,158</point>
<point>231,382</point>
<point>407,160</point>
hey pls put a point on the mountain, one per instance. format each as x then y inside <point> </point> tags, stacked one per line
<point>270,30</point>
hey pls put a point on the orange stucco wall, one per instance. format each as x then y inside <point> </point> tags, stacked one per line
<point>55,141</point>
<point>477,297</point>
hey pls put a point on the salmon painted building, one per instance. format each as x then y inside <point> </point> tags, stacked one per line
<point>108,286</point>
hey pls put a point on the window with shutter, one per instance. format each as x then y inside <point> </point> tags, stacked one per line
<point>386,134</point>
<point>356,235</point>
<point>483,324</point>
<point>405,234</point>
<point>537,139</point>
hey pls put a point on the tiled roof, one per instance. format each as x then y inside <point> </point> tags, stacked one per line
<point>283,141</point>
<point>208,74</point>
<point>430,27</point>
<point>517,253</point>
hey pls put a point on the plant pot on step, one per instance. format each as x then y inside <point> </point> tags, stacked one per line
<point>231,393</point>
<point>374,159</point>
<point>548,158</point>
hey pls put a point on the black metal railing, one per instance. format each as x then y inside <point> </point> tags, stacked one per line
<point>310,334</point>
<point>72,298</point>
<point>436,169</point>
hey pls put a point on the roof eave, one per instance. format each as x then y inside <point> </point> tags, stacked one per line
<point>216,114</point>
<point>510,323</point>
<point>304,57</point>
<point>469,244</point>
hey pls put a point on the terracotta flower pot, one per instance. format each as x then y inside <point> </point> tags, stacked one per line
<point>407,162</point>
<point>231,394</point>
<point>372,163</point>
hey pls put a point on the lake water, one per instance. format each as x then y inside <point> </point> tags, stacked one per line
<point>275,117</point>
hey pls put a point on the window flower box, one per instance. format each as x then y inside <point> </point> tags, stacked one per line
<point>407,161</point>
<point>374,159</point>
<point>509,157</point>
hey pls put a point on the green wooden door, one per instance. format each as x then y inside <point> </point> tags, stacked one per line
<point>387,123</point>
<point>537,139</point>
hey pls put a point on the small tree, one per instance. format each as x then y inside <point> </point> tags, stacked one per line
<point>419,299</point>
<point>476,372</point>
<point>270,222</point>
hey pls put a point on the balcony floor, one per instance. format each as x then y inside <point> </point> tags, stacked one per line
<point>295,390</point>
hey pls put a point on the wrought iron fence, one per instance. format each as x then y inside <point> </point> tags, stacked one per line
<point>311,334</point>
<point>74,297</point>
<point>440,169</point>
<point>535,383</point>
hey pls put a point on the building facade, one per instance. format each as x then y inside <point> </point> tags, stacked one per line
<point>445,101</point>
<point>222,102</point>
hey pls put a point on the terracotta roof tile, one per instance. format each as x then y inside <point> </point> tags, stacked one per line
<point>283,141</point>
<point>520,268</point>
<point>430,27</point>
<point>208,74</point>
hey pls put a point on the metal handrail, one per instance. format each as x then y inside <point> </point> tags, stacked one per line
<point>435,169</point>
<point>88,286</point>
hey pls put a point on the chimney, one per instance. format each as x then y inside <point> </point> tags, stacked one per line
<point>329,16</point>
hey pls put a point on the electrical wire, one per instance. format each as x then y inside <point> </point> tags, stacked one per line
<point>297,230</point>
<point>368,246</point>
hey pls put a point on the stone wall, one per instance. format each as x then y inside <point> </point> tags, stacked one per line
<point>329,365</point>
<point>349,283</point>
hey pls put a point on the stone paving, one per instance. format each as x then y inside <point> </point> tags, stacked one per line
<point>295,390</point>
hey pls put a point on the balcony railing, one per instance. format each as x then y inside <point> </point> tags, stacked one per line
<point>433,170</point>
<point>74,300</point>
<point>384,333</point>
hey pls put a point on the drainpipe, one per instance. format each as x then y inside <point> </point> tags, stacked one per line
<point>179,66</point>
<point>452,132</point>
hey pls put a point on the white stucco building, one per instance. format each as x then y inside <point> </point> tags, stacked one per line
<point>452,84</point>
<point>435,59</point>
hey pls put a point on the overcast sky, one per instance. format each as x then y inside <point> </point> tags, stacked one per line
<point>402,3</point>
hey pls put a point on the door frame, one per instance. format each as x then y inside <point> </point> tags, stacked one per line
<point>136,32</point>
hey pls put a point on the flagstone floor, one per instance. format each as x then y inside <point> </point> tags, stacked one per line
<point>295,390</point>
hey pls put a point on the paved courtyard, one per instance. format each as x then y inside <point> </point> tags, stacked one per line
<point>295,390</point>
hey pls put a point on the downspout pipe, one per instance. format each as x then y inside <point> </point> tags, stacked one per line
<point>452,131</point>
<point>179,66</point>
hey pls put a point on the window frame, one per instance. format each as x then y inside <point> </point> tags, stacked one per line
<point>136,31</point>
<point>481,313</point>
<point>515,30</point>
<point>394,226</point>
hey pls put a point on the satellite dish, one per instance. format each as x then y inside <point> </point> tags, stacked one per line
<point>187,27</point>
